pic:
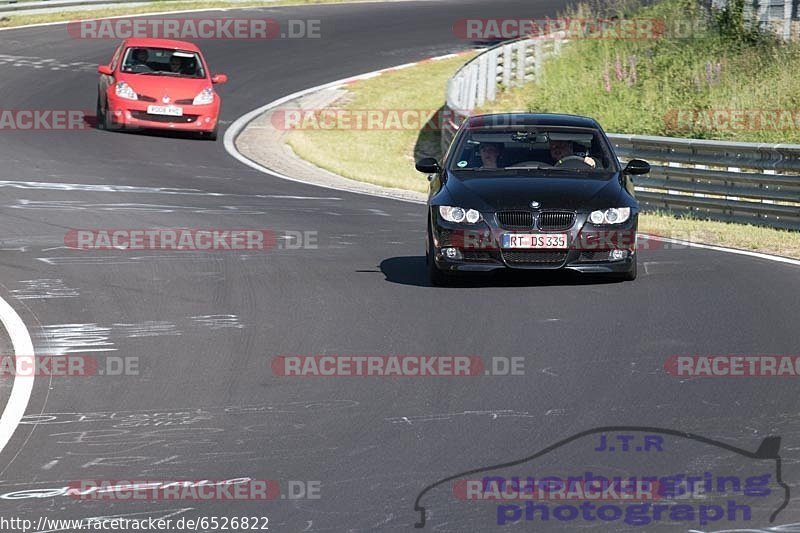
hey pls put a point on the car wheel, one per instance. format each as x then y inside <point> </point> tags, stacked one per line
<point>629,275</point>
<point>209,135</point>
<point>108,123</point>
<point>437,277</point>
<point>99,115</point>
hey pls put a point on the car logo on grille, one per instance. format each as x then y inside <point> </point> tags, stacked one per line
<point>165,99</point>
<point>535,204</point>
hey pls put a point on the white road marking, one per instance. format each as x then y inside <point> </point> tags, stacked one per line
<point>91,187</point>
<point>40,62</point>
<point>44,289</point>
<point>62,339</point>
<point>690,244</point>
<point>23,385</point>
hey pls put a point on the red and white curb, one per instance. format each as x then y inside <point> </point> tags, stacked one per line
<point>241,123</point>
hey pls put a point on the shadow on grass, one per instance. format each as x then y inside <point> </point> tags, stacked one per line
<point>429,141</point>
<point>411,270</point>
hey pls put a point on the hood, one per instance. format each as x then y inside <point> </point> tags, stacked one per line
<point>159,86</point>
<point>517,192</point>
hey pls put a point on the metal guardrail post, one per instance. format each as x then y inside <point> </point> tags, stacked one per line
<point>538,58</point>
<point>491,75</point>
<point>522,52</point>
<point>483,68</point>
<point>507,54</point>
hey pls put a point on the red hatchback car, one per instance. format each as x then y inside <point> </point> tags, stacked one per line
<point>160,84</point>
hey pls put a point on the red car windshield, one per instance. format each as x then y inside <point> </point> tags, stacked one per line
<point>163,61</point>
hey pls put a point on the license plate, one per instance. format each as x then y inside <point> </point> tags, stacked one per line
<point>535,240</point>
<point>169,110</point>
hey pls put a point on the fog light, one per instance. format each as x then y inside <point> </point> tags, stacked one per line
<point>616,255</point>
<point>451,253</point>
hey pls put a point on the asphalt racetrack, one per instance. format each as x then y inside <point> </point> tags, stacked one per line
<point>349,453</point>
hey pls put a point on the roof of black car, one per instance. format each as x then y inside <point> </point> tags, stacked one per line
<point>531,119</point>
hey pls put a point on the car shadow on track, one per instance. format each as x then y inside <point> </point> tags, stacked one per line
<point>411,270</point>
<point>92,122</point>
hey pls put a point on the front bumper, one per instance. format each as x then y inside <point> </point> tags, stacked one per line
<point>588,249</point>
<point>133,114</point>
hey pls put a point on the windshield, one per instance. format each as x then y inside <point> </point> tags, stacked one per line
<point>534,148</point>
<point>163,62</point>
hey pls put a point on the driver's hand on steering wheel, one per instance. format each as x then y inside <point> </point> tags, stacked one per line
<point>587,160</point>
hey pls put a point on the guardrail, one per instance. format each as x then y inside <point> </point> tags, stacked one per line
<point>506,65</point>
<point>754,183</point>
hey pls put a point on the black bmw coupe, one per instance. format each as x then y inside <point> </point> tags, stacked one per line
<point>531,191</point>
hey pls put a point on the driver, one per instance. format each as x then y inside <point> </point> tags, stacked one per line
<point>140,57</point>
<point>561,149</point>
<point>489,152</point>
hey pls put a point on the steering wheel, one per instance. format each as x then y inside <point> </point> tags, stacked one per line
<point>572,161</point>
<point>139,68</point>
<point>531,164</point>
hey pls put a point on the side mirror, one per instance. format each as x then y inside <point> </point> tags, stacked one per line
<point>219,78</point>
<point>105,70</point>
<point>428,165</point>
<point>637,166</point>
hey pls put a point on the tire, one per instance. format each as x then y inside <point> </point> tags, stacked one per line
<point>99,115</point>
<point>629,275</point>
<point>207,135</point>
<point>436,276</point>
<point>108,123</point>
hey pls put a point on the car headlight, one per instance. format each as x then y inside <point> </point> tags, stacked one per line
<point>615,215</point>
<point>459,215</point>
<point>123,90</point>
<point>206,96</point>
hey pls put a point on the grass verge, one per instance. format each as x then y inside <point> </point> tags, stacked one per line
<point>382,156</point>
<point>11,20</point>
<point>387,157</point>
